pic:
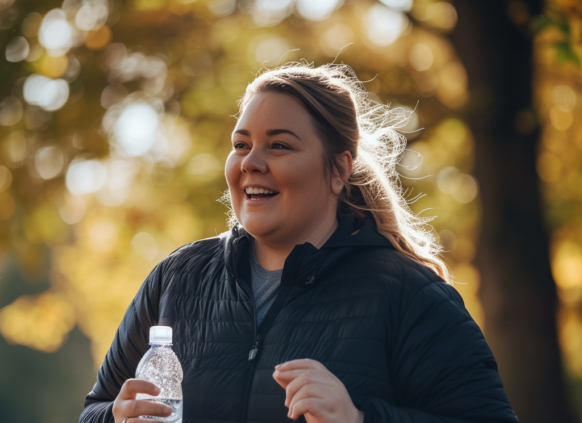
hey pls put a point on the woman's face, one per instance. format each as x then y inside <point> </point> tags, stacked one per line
<point>275,171</point>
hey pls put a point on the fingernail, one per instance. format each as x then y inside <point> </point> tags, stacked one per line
<point>278,366</point>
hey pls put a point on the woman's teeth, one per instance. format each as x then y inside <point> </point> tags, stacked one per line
<point>258,191</point>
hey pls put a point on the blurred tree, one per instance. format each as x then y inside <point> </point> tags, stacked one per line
<point>517,291</point>
<point>115,119</point>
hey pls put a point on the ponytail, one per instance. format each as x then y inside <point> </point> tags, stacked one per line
<point>347,120</point>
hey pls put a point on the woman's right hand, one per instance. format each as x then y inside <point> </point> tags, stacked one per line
<point>127,407</point>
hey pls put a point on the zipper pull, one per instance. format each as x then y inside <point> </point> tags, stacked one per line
<point>253,352</point>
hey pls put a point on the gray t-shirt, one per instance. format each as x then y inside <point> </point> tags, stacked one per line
<point>265,284</point>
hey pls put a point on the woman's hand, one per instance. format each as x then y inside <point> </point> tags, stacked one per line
<point>127,407</point>
<point>316,392</point>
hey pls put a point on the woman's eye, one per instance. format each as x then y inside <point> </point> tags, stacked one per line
<point>239,145</point>
<point>280,146</point>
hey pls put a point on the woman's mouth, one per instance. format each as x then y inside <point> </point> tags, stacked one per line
<point>256,194</point>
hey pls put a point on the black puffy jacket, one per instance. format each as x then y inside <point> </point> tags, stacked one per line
<point>397,336</point>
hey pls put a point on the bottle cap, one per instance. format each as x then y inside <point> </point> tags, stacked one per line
<point>160,335</point>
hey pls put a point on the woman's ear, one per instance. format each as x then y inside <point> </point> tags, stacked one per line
<point>342,172</point>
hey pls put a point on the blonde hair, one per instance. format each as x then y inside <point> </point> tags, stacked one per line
<point>347,120</point>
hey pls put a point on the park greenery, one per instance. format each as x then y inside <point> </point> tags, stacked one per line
<point>115,122</point>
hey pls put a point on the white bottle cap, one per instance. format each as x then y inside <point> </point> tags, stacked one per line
<point>160,335</point>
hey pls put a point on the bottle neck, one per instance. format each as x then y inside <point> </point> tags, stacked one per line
<point>156,346</point>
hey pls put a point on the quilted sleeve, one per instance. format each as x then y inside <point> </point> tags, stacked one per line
<point>442,368</point>
<point>129,345</point>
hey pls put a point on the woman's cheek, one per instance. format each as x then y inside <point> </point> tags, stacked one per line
<point>232,173</point>
<point>231,170</point>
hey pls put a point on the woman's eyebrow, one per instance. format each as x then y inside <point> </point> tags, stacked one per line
<point>269,133</point>
<point>282,131</point>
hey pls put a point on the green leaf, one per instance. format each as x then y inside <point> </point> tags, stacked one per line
<point>564,53</point>
<point>540,22</point>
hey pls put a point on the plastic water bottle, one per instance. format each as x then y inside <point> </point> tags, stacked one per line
<point>160,366</point>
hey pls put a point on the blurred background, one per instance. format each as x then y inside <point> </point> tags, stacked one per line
<point>115,122</point>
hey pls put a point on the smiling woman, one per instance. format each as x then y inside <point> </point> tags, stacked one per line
<point>327,300</point>
<point>275,150</point>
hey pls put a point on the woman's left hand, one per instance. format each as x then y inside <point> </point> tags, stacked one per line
<point>316,392</point>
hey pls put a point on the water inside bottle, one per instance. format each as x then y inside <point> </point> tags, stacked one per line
<point>175,417</point>
<point>161,367</point>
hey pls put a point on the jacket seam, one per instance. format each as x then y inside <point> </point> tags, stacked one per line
<point>429,285</point>
<point>329,320</point>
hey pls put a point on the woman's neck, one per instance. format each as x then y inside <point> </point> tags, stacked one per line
<point>272,256</point>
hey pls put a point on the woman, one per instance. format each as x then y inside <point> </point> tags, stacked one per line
<point>327,301</point>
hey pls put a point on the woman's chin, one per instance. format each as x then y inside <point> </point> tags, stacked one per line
<point>259,226</point>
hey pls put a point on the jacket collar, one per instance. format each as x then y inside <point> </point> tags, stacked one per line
<point>309,263</point>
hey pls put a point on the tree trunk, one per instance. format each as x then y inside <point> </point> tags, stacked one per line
<point>517,290</point>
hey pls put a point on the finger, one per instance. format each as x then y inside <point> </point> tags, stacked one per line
<point>296,392</point>
<point>302,363</point>
<point>136,408</point>
<point>289,375</point>
<point>313,406</point>
<point>281,382</point>
<point>138,420</point>
<point>295,385</point>
<point>284,378</point>
<point>132,387</point>
<point>322,377</point>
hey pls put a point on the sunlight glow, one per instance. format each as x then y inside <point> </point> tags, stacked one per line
<point>384,25</point>
<point>145,245</point>
<point>92,15</point>
<point>136,129</point>
<point>84,177</point>
<point>317,10</point>
<point>45,92</point>
<point>49,161</point>
<point>401,5</point>
<point>56,34</point>
<point>17,49</point>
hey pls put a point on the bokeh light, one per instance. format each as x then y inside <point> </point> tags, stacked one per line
<point>317,10</point>
<point>335,38</point>
<point>402,5</point>
<point>92,15</point>
<point>42,322</point>
<point>55,33</point>
<point>17,49</point>
<point>384,25</point>
<point>15,149</point>
<point>114,129</point>
<point>85,177</point>
<point>49,161</point>
<point>5,178</point>
<point>271,12</point>
<point>145,245</point>
<point>10,111</point>
<point>421,57</point>
<point>269,50</point>
<point>136,129</point>
<point>72,208</point>
<point>45,92</point>
<point>120,176</point>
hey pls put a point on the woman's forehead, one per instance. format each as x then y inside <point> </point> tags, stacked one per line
<point>274,110</point>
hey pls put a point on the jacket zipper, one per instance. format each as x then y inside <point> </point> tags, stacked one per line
<point>255,349</point>
<point>285,288</point>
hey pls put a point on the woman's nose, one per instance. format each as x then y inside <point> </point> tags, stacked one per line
<point>254,162</point>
